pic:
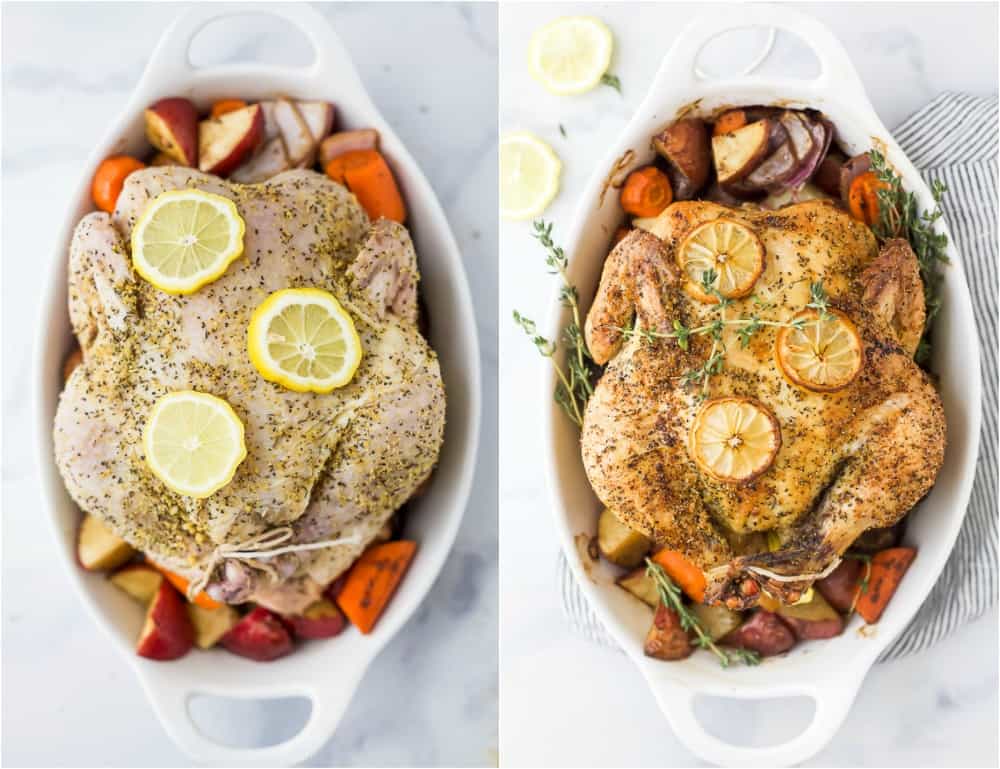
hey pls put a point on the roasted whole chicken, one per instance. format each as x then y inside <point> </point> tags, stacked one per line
<point>763,471</point>
<point>331,466</point>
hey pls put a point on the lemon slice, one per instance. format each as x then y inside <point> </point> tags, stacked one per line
<point>728,248</point>
<point>303,339</point>
<point>529,175</point>
<point>823,354</point>
<point>570,54</point>
<point>185,239</point>
<point>734,439</point>
<point>193,442</point>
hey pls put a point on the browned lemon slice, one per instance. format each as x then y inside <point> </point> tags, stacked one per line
<point>730,249</point>
<point>734,439</point>
<point>824,354</point>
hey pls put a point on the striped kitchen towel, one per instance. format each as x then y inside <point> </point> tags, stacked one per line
<point>953,139</point>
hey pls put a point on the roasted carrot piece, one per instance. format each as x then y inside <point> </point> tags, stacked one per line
<point>202,599</point>
<point>887,570</point>
<point>862,197</point>
<point>688,577</point>
<point>372,580</point>
<point>110,178</point>
<point>619,235</point>
<point>729,121</point>
<point>367,175</point>
<point>223,106</point>
<point>646,192</point>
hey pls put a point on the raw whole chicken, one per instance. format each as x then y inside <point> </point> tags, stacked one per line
<point>846,460</point>
<point>331,466</point>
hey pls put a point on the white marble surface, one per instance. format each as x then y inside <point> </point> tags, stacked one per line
<point>68,699</point>
<point>566,701</point>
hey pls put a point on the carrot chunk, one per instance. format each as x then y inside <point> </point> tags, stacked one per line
<point>862,197</point>
<point>110,178</point>
<point>202,599</point>
<point>372,581</point>
<point>688,577</point>
<point>887,570</point>
<point>646,192</point>
<point>729,121</point>
<point>367,175</point>
<point>223,106</point>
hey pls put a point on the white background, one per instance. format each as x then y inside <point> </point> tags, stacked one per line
<point>566,701</point>
<point>68,699</point>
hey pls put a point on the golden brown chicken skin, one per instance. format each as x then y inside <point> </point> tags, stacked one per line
<point>852,459</point>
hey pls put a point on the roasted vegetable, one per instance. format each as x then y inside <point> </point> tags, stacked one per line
<point>729,122</point>
<point>812,620</point>
<point>684,145</point>
<point>738,153</point>
<point>618,543</point>
<point>850,171</point>
<point>688,577</point>
<point>827,176</point>
<point>840,587</point>
<point>772,173</point>
<point>862,197</point>
<point>646,192</point>
<point>641,585</point>
<point>822,135</point>
<point>717,621</point>
<point>875,540</point>
<point>887,570</point>
<point>666,639</point>
<point>764,633</point>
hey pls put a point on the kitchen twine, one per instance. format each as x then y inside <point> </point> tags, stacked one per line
<point>265,545</point>
<point>953,140</point>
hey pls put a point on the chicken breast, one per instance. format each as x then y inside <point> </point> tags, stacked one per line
<point>849,460</point>
<point>331,466</point>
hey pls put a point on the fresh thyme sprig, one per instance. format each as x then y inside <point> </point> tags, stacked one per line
<point>900,217</point>
<point>612,81</point>
<point>745,328</point>
<point>574,388</point>
<point>670,596</point>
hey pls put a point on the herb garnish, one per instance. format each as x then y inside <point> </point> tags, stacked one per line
<point>746,327</point>
<point>901,217</point>
<point>562,130</point>
<point>670,596</point>
<point>863,585</point>
<point>611,80</point>
<point>574,388</point>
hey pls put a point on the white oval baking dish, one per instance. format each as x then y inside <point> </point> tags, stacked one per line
<point>830,672</point>
<point>326,672</point>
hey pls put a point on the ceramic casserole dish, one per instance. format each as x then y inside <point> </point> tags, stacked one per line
<point>326,673</point>
<point>829,672</point>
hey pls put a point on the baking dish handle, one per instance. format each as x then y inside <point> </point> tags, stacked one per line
<point>327,706</point>
<point>833,698</point>
<point>679,68</point>
<point>170,62</point>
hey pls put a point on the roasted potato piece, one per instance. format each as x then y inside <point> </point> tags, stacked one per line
<point>618,543</point>
<point>641,585</point>
<point>764,633</point>
<point>738,153</point>
<point>684,145</point>
<point>812,620</point>
<point>874,540</point>
<point>840,587</point>
<point>717,621</point>
<point>827,176</point>
<point>851,170</point>
<point>666,640</point>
